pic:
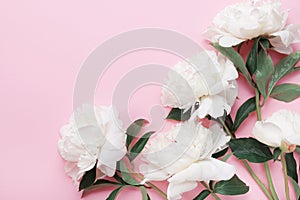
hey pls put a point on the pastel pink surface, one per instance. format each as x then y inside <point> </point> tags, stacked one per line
<point>44,43</point>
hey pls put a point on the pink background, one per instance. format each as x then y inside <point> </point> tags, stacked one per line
<point>42,47</point>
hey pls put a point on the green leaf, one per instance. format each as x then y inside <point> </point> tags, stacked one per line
<point>234,186</point>
<point>264,43</point>
<point>296,188</point>
<point>133,130</point>
<point>291,166</point>
<point>229,122</point>
<point>117,177</point>
<point>88,178</point>
<point>263,72</point>
<point>211,184</point>
<point>298,150</point>
<point>202,195</point>
<point>178,114</point>
<point>286,92</point>
<point>252,57</point>
<point>243,112</point>
<point>126,176</point>
<point>236,58</point>
<point>220,153</point>
<point>294,69</point>
<point>99,184</point>
<point>276,153</point>
<point>139,146</point>
<point>283,68</point>
<point>251,150</point>
<point>145,195</point>
<point>114,194</point>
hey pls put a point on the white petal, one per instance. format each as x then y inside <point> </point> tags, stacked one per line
<point>218,105</point>
<point>205,170</point>
<point>73,171</point>
<point>90,138</point>
<point>294,139</point>
<point>283,49</point>
<point>219,139</point>
<point>288,121</point>
<point>153,173</point>
<point>268,133</point>
<point>230,72</point>
<point>279,46</point>
<point>178,92</point>
<point>108,157</point>
<point>204,107</point>
<point>213,34</point>
<point>175,190</point>
<point>294,29</point>
<point>229,41</point>
<point>285,36</point>
<point>231,92</point>
<point>86,162</point>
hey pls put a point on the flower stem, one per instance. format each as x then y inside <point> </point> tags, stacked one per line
<point>286,184</point>
<point>212,192</point>
<point>257,180</point>
<point>154,187</point>
<point>252,173</point>
<point>221,121</point>
<point>270,181</point>
<point>258,108</point>
<point>164,195</point>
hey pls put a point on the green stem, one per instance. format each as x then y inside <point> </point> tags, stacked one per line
<point>270,181</point>
<point>286,184</point>
<point>257,180</point>
<point>259,118</point>
<point>212,192</point>
<point>258,108</point>
<point>226,128</point>
<point>164,195</point>
<point>154,187</point>
<point>252,173</point>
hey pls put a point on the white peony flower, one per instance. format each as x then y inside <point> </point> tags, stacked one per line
<point>183,156</point>
<point>248,20</point>
<point>92,135</point>
<point>206,79</point>
<point>279,130</point>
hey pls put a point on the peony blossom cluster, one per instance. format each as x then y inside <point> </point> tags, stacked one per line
<point>247,20</point>
<point>93,136</point>
<point>207,79</point>
<point>203,86</point>
<point>183,157</point>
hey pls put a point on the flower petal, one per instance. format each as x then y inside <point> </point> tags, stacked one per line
<point>73,171</point>
<point>285,37</point>
<point>268,133</point>
<point>213,105</point>
<point>229,41</point>
<point>294,139</point>
<point>153,173</point>
<point>175,190</point>
<point>294,29</point>
<point>108,157</point>
<point>279,46</point>
<point>288,121</point>
<point>86,162</point>
<point>205,170</point>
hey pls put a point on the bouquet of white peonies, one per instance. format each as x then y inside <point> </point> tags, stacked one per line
<point>201,91</point>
